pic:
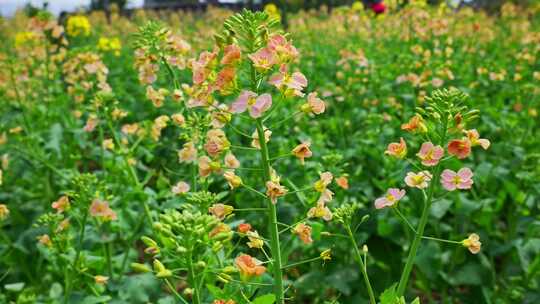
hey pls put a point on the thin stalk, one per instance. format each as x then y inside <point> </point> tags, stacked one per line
<point>440,240</point>
<point>77,256</point>
<point>301,262</point>
<point>173,290</point>
<point>363,268</point>
<point>192,280</point>
<point>422,224</point>
<point>272,220</point>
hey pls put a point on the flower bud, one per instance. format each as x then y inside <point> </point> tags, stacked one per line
<point>138,267</point>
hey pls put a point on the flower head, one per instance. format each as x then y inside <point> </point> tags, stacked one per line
<point>61,205</point>
<point>255,241</point>
<point>460,180</point>
<point>461,148</point>
<point>320,211</point>
<point>244,228</point>
<point>415,124</point>
<point>475,139</point>
<point>393,195</point>
<point>231,54</point>
<point>233,180</point>
<point>418,180</point>
<point>291,84</point>
<point>472,243</point>
<point>256,105</point>
<point>220,210</point>
<point>314,104</point>
<point>343,182</point>
<point>430,154</point>
<point>302,151</point>
<point>304,233</point>
<point>180,188</point>
<point>45,240</point>
<point>275,190</point>
<point>101,209</point>
<point>249,266</point>
<point>263,60</point>
<point>398,150</point>
<point>188,154</point>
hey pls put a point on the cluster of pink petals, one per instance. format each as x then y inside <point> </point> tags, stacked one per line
<point>296,82</point>
<point>278,51</point>
<point>430,154</point>
<point>201,67</point>
<point>391,198</point>
<point>101,209</point>
<point>249,100</point>
<point>418,180</point>
<point>451,180</point>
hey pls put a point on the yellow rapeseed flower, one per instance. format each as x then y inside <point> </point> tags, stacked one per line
<point>78,26</point>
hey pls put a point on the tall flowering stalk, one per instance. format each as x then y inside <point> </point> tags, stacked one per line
<point>248,77</point>
<point>442,126</point>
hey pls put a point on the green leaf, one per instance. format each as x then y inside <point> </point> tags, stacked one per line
<point>265,299</point>
<point>14,287</point>
<point>96,300</point>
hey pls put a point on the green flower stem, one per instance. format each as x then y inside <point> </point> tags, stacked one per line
<point>363,268</point>
<point>423,221</point>
<point>272,220</point>
<point>77,256</point>
<point>173,290</point>
<point>301,262</point>
<point>192,280</point>
<point>255,191</point>
<point>396,210</point>
<point>441,240</point>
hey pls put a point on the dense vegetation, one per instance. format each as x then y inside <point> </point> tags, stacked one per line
<point>134,168</point>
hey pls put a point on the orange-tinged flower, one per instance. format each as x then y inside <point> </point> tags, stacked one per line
<point>220,210</point>
<point>475,139</point>
<point>398,150</point>
<point>231,54</point>
<point>233,180</point>
<point>320,211</point>
<point>231,162</point>
<point>275,190</point>
<point>304,233</point>
<point>188,154</point>
<point>45,240</point>
<point>314,104</point>
<point>302,151</point>
<point>249,266</point>
<point>472,243</point>
<point>101,209</point>
<point>415,124</point>
<point>244,228</point>
<point>207,166</point>
<point>461,148</point>
<point>343,182</point>
<point>61,205</point>
<point>220,229</point>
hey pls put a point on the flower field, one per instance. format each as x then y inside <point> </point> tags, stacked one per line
<point>221,157</point>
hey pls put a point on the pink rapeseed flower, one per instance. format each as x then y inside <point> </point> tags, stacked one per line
<point>393,195</point>
<point>430,154</point>
<point>256,105</point>
<point>451,180</point>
